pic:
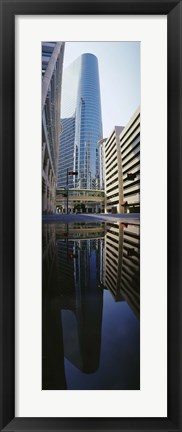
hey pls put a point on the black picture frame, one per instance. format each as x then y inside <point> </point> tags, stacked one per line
<point>8,10</point>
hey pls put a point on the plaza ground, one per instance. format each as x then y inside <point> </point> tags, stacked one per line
<point>132,218</point>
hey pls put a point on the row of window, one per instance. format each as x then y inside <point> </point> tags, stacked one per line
<point>133,259</point>
<point>133,193</point>
<point>111,272</point>
<point>112,189</point>
<point>111,169</point>
<point>111,284</point>
<point>130,184</point>
<point>113,239</point>
<point>111,182</point>
<point>128,162</point>
<point>131,166</point>
<point>130,265</point>
<point>129,242</point>
<point>131,151</point>
<point>113,203</point>
<point>131,234</point>
<point>112,159</point>
<point>111,251</point>
<point>131,146</point>
<point>109,146</point>
<point>128,132</point>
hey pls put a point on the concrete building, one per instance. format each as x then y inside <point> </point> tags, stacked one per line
<point>101,152</point>
<point>130,157</point>
<point>82,125</point>
<point>52,63</point>
<point>122,168</point>
<point>113,173</point>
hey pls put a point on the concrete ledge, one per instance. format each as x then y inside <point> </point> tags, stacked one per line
<point>131,218</point>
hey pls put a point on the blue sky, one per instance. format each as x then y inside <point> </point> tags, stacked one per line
<point>119,71</point>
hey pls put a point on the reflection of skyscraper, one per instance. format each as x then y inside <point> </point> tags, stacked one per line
<point>82,124</point>
<point>122,264</point>
<point>82,302</point>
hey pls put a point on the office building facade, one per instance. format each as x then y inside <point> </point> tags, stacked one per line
<point>130,160</point>
<point>82,125</point>
<point>113,172</point>
<point>52,63</point>
<point>122,168</point>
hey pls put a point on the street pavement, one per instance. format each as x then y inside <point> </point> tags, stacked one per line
<point>129,218</point>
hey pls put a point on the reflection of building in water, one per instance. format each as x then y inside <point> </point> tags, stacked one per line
<point>82,301</point>
<point>48,250</point>
<point>113,259</point>
<point>72,300</point>
<point>53,374</point>
<point>130,273</point>
<point>75,268</point>
<point>122,264</point>
<point>79,269</point>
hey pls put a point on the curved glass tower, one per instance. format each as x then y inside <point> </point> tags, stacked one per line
<point>81,125</point>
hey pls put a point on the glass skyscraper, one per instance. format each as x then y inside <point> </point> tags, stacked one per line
<point>81,125</point>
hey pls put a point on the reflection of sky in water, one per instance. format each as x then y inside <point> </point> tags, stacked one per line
<point>119,365</point>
